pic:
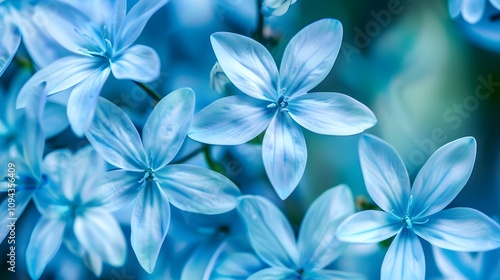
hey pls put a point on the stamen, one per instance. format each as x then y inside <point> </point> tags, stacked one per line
<point>421,212</point>
<point>421,223</point>
<point>410,202</point>
<point>272,105</point>
<point>407,220</point>
<point>392,212</point>
<point>149,175</point>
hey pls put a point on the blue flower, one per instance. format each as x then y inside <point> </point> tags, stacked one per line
<point>144,173</point>
<point>98,48</point>
<point>471,10</point>
<point>276,7</point>
<point>73,213</point>
<point>464,265</point>
<point>279,101</point>
<point>408,213</point>
<point>273,239</point>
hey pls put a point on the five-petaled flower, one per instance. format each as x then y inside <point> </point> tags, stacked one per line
<point>418,211</point>
<point>279,101</point>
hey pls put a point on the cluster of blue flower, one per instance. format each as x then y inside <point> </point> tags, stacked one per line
<point>77,47</point>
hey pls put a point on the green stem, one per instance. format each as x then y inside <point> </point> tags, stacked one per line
<point>190,155</point>
<point>211,163</point>
<point>151,92</point>
<point>258,34</point>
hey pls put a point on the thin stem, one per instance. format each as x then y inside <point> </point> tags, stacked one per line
<point>258,34</point>
<point>151,92</point>
<point>190,155</point>
<point>211,163</point>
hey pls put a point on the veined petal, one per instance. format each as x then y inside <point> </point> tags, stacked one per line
<point>196,189</point>
<point>54,119</point>
<point>331,113</point>
<point>455,265</point>
<point>443,176</point>
<point>237,266</point>
<point>150,222</point>
<point>331,275</point>
<point>231,120</point>
<point>405,258</point>
<point>248,65</point>
<point>138,63</point>
<point>116,139</point>
<point>274,273</point>
<point>201,262</point>
<point>22,199</point>
<point>269,231</point>
<point>310,56</point>
<point>385,174</point>
<point>117,189</point>
<point>99,233</point>
<point>44,244</point>
<point>167,126</point>
<point>460,229</point>
<point>368,226</point>
<point>317,244</point>
<point>9,43</point>
<point>473,10</point>
<point>60,75</point>
<point>83,100</point>
<point>134,22</point>
<point>284,153</point>
<point>93,262</point>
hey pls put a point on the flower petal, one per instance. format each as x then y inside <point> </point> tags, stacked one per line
<point>473,10</point>
<point>232,120</point>
<point>116,139</point>
<point>495,3</point>
<point>460,229</point>
<point>44,244</point>
<point>331,113</point>
<point>456,265</point>
<point>385,174</point>
<point>316,243</point>
<point>443,176</point>
<point>274,273</point>
<point>138,63</point>
<point>248,65</point>
<point>54,119</point>
<point>368,226</point>
<point>201,262</point>
<point>167,126</point>
<point>116,190</point>
<point>284,153</point>
<point>454,7</point>
<point>310,56</point>
<point>60,75</point>
<point>22,198</point>
<point>150,222</point>
<point>83,100</point>
<point>269,231</point>
<point>405,258</point>
<point>9,43</point>
<point>331,275</point>
<point>206,191</point>
<point>100,234</point>
<point>135,21</point>
<point>237,266</point>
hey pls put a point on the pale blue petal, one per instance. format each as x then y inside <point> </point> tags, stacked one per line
<point>22,199</point>
<point>460,229</point>
<point>134,22</point>
<point>60,75</point>
<point>237,266</point>
<point>317,244</point>
<point>70,27</point>
<point>274,273</point>
<point>138,63</point>
<point>54,119</point>
<point>269,231</point>
<point>454,7</point>
<point>83,100</point>
<point>275,7</point>
<point>495,3</point>
<point>368,226</point>
<point>56,166</point>
<point>117,189</point>
<point>331,113</point>
<point>201,262</point>
<point>231,120</point>
<point>455,265</point>
<point>284,153</point>
<point>443,176</point>
<point>405,258</point>
<point>116,139</point>
<point>473,10</point>
<point>93,262</point>
<point>196,189</point>
<point>167,126</point>
<point>43,246</point>
<point>310,56</point>
<point>150,222</point>
<point>9,43</point>
<point>248,65</point>
<point>331,275</point>
<point>100,234</point>
<point>385,174</point>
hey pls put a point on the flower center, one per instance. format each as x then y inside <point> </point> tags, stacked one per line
<point>407,220</point>
<point>101,48</point>
<point>149,176</point>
